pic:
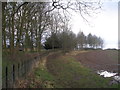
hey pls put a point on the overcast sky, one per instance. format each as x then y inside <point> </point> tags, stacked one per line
<point>104,24</point>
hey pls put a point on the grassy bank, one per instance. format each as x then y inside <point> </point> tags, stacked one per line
<point>64,71</point>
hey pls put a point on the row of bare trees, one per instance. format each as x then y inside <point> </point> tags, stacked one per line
<point>24,24</point>
<point>23,27</point>
<point>89,41</point>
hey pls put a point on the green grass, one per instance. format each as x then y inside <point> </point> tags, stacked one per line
<point>43,74</point>
<point>70,73</point>
<point>66,72</point>
<point>47,79</point>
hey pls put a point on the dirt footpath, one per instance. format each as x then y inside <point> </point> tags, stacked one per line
<point>100,59</point>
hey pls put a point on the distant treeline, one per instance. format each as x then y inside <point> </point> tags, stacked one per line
<point>69,40</point>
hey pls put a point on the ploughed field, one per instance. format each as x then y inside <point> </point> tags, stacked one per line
<point>99,59</point>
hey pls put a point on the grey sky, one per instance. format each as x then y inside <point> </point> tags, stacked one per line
<point>104,24</point>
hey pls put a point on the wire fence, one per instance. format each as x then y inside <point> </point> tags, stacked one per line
<point>12,73</point>
<point>15,71</point>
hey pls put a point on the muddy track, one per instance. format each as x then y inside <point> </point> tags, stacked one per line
<point>99,60</point>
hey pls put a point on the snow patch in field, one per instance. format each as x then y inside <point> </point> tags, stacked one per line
<point>106,73</point>
<point>109,74</point>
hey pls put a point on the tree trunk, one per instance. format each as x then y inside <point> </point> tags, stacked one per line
<point>12,37</point>
<point>4,24</point>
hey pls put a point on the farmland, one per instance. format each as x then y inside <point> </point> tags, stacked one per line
<point>72,70</point>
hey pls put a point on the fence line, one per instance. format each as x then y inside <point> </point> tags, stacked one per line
<point>16,71</point>
<point>20,70</point>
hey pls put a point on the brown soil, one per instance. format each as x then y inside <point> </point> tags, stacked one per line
<point>99,60</point>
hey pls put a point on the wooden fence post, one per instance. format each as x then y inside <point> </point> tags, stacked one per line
<point>22,72</point>
<point>6,77</point>
<point>25,67</point>
<point>18,69</point>
<point>13,73</point>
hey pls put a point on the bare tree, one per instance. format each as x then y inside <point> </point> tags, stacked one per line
<point>79,6</point>
<point>24,23</point>
<point>81,39</point>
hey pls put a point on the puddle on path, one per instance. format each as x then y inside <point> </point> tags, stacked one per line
<point>109,74</point>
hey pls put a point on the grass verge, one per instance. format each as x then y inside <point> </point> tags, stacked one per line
<point>60,71</point>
